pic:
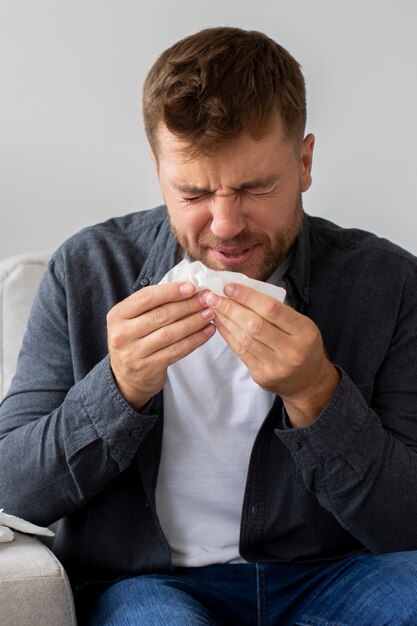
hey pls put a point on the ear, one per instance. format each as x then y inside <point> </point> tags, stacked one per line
<point>306,161</point>
<point>154,159</point>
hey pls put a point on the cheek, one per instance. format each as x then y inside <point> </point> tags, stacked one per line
<point>276,213</point>
<point>191,223</point>
<point>269,218</point>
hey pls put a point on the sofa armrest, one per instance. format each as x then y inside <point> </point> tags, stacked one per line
<point>34,588</point>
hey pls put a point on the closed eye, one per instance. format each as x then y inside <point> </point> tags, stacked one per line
<point>254,192</point>
<point>193,199</point>
<point>261,189</point>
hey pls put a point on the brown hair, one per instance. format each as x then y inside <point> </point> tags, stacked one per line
<point>211,86</point>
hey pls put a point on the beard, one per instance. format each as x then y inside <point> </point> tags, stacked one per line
<point>273,249</point>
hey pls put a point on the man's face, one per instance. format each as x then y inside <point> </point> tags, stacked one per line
<point>239,209</point>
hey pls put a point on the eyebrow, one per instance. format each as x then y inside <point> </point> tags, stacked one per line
<point>250,184</point>
<point>190,188</point>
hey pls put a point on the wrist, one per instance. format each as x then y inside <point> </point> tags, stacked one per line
<point>304,408</point>
<point>135,399</point>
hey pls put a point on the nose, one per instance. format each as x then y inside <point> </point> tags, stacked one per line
<point>227,216</point>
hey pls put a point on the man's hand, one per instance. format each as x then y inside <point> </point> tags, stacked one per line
<point>150,330</point>
<point>282,349</point>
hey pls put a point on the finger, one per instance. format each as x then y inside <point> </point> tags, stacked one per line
<point>149,298</point>
<point>180,349</point>
<point>164,315</point>
<point>251,324</point>
<point>248,325</point>
<point>245,345</point>
<point>276,312</point>
<point>173,333</point>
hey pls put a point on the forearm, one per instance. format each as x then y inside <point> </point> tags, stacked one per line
<point>358,471</point>
<point>52,464</point>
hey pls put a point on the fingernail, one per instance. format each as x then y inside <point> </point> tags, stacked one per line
<point>187,289</point>
<point>207,314</point>
<point>230,290</point>
<point>212,299</point>
<point>209,330</point>
<point>202,297</point>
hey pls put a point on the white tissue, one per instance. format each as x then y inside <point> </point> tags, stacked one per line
<point>11,521</point>
<point>205,278</point>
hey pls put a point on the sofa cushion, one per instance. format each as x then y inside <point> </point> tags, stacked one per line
<point>19,279</point>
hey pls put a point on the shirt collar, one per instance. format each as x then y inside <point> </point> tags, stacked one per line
<point>161,257</point>
<point>299,271</point>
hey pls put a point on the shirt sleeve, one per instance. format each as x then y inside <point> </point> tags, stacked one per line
<point>62,439</point>
<point>360,456</point>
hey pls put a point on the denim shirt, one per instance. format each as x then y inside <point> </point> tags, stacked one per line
<point>72,448</point>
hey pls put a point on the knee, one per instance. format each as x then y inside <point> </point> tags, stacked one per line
<point>386,590</point>
<point>368,590</point>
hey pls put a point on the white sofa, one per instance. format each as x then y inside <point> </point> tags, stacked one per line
<point>34,588</point>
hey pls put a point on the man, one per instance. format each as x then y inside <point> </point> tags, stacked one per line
<point>223,460</point>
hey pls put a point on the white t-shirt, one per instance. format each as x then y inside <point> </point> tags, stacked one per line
<point>212,413</point>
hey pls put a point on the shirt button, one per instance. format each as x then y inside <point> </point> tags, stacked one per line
<point>144,282</point>
<point>253,509</point>
<point>136,433</point>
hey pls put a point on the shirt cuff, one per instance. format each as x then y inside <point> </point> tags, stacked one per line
<point>113,419</point>
<point>335,430</point>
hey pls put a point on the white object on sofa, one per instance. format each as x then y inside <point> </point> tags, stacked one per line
<point>34,588</point>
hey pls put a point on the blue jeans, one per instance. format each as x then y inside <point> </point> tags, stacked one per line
<point>359,590</point>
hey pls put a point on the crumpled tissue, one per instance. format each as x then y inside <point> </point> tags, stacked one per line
<point>9,522</point>
<point>205,278</point>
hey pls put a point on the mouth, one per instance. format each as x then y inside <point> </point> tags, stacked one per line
<point>233,256</point>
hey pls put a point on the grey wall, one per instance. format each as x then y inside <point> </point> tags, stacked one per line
<point>72,148</point>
